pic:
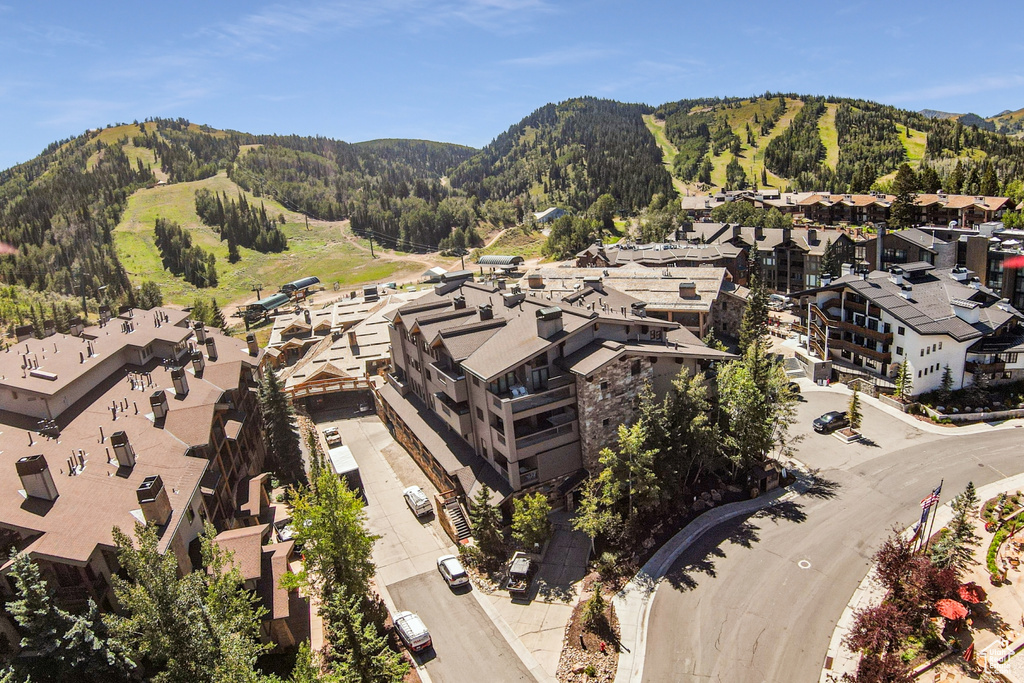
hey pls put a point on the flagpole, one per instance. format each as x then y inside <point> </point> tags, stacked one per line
<point>931,523</point>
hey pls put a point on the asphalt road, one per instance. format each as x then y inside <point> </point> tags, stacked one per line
<point>467,646</point>
<point>756,599</point>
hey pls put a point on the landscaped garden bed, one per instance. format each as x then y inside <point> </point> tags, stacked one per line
<point>590,651</point>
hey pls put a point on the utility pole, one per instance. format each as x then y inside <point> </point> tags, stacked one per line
<point>307,223</point>
<point>258,289</point>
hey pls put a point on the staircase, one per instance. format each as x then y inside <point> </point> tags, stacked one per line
<point>793,368</point>
<point>458,519</point>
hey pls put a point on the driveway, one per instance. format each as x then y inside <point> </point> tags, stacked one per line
<point>467,639</point>
<point>756,599</point>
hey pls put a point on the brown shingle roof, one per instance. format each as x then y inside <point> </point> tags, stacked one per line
<point>246,546</point>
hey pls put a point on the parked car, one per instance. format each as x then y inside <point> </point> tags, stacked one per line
<point>520,570</point>
<point>333,436</point>
<point>831,421</point>
<point>412,631</point>
<point>417,501</point>
<point>778,302</point>
<point>452,571</point>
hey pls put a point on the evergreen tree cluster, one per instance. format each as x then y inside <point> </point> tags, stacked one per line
<point>745,213</point>
<point>59,212</point>
<point>182,257</point>
<point>798,149</point>
<point>869,146</point>
<point>570,235</point>
<point>573,152</point>
<point>240,223</point>
<point>189,152</point>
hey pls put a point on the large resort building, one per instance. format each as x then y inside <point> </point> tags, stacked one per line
<point>145,418</point>
<point>916,314</point>
<point>521,391</point>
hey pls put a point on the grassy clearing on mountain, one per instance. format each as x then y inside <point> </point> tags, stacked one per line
<point>914,142</point>
<point>324,250</point>
<point>829,135</point>
<point>514,243</point>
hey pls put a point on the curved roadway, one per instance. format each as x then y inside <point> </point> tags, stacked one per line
<point>756,600</point>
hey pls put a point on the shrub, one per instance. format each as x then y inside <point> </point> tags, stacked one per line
<point>470,555</point>
<point>593,611</point>
<point>590,671</point>
<point>607,564</point>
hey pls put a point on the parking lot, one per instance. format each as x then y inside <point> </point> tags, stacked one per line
<point>468,645</point>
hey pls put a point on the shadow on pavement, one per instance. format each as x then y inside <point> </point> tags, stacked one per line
<point>822,487</point>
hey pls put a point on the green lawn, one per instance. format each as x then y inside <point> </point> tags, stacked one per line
<point>514,243</point>
<point>914,142</point>
<point>325,250</point>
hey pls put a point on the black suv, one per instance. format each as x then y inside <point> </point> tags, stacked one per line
<point>831,421</point>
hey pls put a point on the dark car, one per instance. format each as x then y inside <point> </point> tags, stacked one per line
<point>831,421</point>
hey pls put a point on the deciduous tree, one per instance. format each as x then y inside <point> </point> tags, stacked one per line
<point>530,524</point>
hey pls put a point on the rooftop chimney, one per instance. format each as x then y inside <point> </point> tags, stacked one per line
<point>960,274</point>
<point>180,380</point>
<point>156,506</point>
<point>486,312</point>
<point>198,362</point>
<point>254,347</point>
<point>966,310</point>
<point>200,330</point>
<point>353,339</point>
<point>307,316</point>
<point>158,401</point>
<point>812,235</point>
<point>847,269</point>
<point>533,281</point>
<point>459,302</point>
<point>826,279</point>
<point>687,290</point>
<point>211,348</point>
<point>758,233</point>
<point>123,449</point>
<point>36,478</point>
<point>549,322</point>
<point>896,275</point>
<point>737,231</point>
<point>104,314</point>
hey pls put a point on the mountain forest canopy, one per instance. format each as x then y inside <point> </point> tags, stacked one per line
<point>59,211</point>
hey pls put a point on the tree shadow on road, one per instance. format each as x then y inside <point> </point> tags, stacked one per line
<point>699,559</point>
<point>821,487</point>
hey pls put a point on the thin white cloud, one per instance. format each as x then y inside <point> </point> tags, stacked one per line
<point>572,55</point>
<point>957,89</point>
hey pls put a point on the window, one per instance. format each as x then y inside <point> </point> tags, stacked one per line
<point>479,414</point>
<point>935,347</point>
<point>919,374</point>
<point>940,346</point>
<point>429,378</point>
<point>14,395</point>
<point>922,353</point>
<point>190,514</point>
<point>901,330</point>
<point>656,334</point>
<point>476,382</point>
<point>899,350</point>
<point>634,368</point>
<point>604,387</point>
<point>605,422</point>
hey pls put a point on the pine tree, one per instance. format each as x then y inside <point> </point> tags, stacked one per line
<point>202,627</point>
<point>956,548</point>
<point>68,646</point>
<point>903,211</point>
<point>904,381</point>
<point>486,522</point>
<point>360,653</point>
<point>946,385</point>
<point>830,264</point>
<point>279,429</point>
<point>593,616</point>
<point>755,317</point>
<point>217,316</point>
<point>853,412</point>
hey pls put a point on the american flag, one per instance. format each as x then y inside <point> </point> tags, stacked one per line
<point>932,499</point>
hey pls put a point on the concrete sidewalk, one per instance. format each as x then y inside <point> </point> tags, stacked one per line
<point>633,602</point>
<point>843,661</point>
<point>807,385</point>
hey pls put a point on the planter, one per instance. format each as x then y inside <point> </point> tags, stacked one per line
<point>847,435</point>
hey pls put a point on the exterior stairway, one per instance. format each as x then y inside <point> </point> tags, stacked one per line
<point>458,519</point>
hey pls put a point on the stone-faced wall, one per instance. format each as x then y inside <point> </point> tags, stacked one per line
<point>606,399</point>
<point>727,314</point>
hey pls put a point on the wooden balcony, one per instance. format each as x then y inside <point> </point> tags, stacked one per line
<point>973,366</point>
<point>843,345</point>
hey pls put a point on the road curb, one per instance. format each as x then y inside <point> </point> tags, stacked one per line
<point>632,603</point>
<point>513,640</point>
<point>869,592</point>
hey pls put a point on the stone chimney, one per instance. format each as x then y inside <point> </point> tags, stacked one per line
<point>180,380</point>
<point>156,506</point>
<point>250,341</point>
<point>687,290</point>
<point>549,322</point>
<point>123,449</point>
<point>36,478</point>
<point>211,348</point>
<point>158,402</point>
<point>812,235</point>
<point>198,362</point>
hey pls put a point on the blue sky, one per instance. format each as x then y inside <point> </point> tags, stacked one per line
<point>464,70</point>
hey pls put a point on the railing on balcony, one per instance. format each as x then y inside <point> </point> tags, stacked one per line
<point>499,435</point>
<point>543,435</point>
<point>527,477</point>
<point>844,345</point>
<point>448,404</point>
<point>329,386</point>
<point>556,389</point>
<point>975,366</point>
<point>447,372</point>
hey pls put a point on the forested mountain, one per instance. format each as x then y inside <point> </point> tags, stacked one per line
<point>570,154</point>
<point>833,144</point>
